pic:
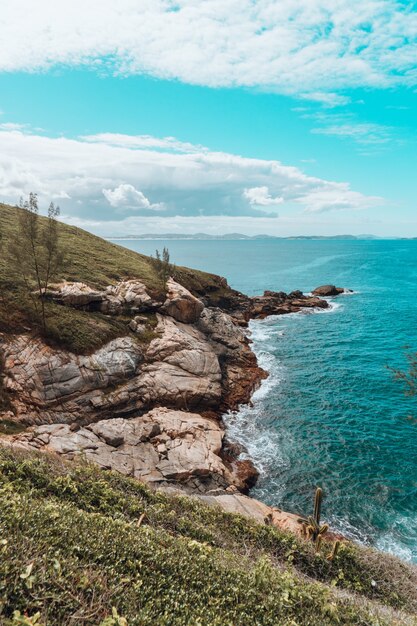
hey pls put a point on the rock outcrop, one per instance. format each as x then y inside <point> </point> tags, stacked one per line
<point>159,447</point>
<point>150,411</point>
<point>326,291</point>
<point>181,304</point>
<point>127,296</point>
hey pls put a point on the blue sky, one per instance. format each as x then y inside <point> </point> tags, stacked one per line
<point>282,117</point>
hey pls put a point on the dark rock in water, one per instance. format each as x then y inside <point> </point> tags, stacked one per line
<point>328,290</point>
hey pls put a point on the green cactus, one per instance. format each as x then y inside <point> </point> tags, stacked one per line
<point>318,499</point>
<point>311,524</point>
<point>334,552</point>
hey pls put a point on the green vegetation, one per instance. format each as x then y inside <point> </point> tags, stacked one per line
<point>163,265</point>
<point>87,259</point>
<point>83,546</point>
<point>35,252</point>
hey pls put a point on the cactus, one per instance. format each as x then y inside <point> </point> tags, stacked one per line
<point>335,550</point>
<point>318,499</point>
<point>311,524</point>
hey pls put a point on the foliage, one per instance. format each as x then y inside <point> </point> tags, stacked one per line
<point>163,265</point>
<point>36,252</point>
<point>72,549</point>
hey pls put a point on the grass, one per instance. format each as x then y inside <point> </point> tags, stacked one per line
<point>72,548</point>
<point>98,263</point>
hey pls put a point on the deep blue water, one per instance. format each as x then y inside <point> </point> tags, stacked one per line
<point>330,413</point>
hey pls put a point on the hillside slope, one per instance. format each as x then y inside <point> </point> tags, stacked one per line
<point>76,542</point>
<point>99,263</point>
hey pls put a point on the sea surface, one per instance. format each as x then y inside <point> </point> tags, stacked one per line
<point>330,413</point>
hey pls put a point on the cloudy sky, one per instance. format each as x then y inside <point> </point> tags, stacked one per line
<point>271,116</point>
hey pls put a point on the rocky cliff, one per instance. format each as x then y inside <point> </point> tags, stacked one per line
<point>151,410</point>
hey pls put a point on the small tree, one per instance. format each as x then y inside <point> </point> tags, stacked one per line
<point>36,251</point>
<point>163,265</point>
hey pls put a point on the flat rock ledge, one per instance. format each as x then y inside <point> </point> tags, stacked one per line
<point>162,447</point>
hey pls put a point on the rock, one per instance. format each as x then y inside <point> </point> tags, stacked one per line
<point>48,384</point>
<point>133,325</point>
<point>185,370</point>
<point>109,431</point>
<point>219,327</point>
<point>181,304</point>
<point>256,510</point>
<point>327,290</point>
<point>191,446</point>
<point>141,319</point>
<point>280,303</point>
<point>77,295</point>
<point>128,296</point>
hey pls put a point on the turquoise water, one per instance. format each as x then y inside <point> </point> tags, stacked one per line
<point>330,413</point>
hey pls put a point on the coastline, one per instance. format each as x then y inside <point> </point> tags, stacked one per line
<point>174,441</point>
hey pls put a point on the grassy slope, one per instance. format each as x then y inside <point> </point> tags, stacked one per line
<point>71,547</point>
<point>96,262</point>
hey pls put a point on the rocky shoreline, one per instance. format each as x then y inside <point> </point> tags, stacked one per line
<point>151,411</point>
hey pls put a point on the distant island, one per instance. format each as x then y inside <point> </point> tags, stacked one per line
<point>233,236</point>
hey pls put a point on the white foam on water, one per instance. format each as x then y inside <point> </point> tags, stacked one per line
<point>343,526</point>
<point>393,542</point>
<point>333,307</point>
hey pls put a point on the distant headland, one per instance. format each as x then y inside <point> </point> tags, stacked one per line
<point>237,236</point>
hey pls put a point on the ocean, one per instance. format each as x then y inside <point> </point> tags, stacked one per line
<point>330,414</point>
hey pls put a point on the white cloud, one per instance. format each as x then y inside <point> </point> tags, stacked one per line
<point>140,181</point>
<point>298,47</point>
<point>335,197</point>
<point>362,133</point>
<point>260,196</point>
<point>126,196</point>
<point>328,99</point>
<point>144,142</point>
<point>12,126</point>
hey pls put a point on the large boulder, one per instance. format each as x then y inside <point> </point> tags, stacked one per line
<point>326,291</point>
<point>181,304</point>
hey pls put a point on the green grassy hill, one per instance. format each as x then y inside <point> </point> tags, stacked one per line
<point>98,263</point>
<point>76,542</point>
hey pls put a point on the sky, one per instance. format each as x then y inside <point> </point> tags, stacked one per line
<point>283,117</point>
